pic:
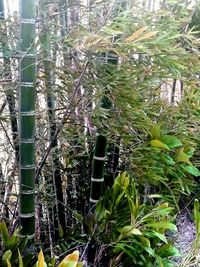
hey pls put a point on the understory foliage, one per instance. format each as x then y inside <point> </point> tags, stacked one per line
<point>141,61</point>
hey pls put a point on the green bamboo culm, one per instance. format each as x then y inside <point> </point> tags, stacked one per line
<point>27,119</point>
<point>99,158</point>
<point>97,179</point>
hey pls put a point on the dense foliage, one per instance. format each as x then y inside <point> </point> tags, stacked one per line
<point>123,73</point>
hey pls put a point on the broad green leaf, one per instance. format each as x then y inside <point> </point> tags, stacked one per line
<point>145,241</point>
<point>150,251</point>
<point>183,157</point>
<point>168,250</point>
<point>164,225</point>
<point>13,241</point>
<point>4,233</point>
<point>171,141</point>
<point>192,170</point>
<point>169,160</point>
<point>129,230</point>
<point>165,211</point>
<point>158,143</point>
<point>20,246</point>
<point>159,235</point>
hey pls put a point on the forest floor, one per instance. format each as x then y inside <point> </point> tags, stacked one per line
<point>184,239</point>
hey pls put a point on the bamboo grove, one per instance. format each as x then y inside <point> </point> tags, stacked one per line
<point>91,92</point>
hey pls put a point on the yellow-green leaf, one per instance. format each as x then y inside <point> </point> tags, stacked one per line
<point>20,259</point>
<point>41,262</point>
<point>8,263</point>
<point>183,157</point>
<point>158,143</point>
<point>155,131</point>
<point>70,260</point>
<point>6,258</point>
<point>130,230</point>
<point>4,233</point>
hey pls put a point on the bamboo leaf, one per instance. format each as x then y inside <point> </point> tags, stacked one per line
<point>159,235</point>
<point>6,258</point>
<point>192,170</point>
<point>147,36</point>
<point>150,251</point>
<point>183,157</point>
<point>136,34</point>
<point>130,230</point>
<point>155,131</point>
<point>164,225</point>
<point>158,143</point>
<point>171,141</point>
<point>4,233</point>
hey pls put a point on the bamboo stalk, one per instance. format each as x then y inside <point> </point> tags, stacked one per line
<point>99,158</point>
<point>27,119</point>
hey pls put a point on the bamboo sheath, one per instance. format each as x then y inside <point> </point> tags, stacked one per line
<point>27,119</point>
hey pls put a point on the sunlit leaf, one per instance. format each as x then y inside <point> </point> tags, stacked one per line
<point>130,230</point>
<point>70,260</point>
<point>183,157</point>
<point>41,262</point>
<point>158,143</point>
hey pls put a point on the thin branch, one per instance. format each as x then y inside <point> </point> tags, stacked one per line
<point>66,115</point>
